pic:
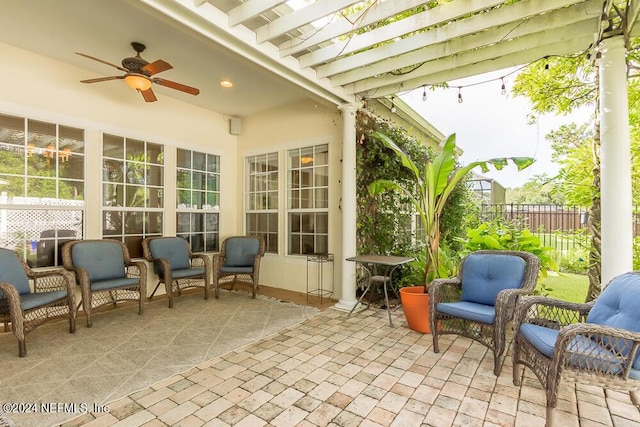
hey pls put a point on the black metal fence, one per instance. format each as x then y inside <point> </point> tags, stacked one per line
<point>560,226</point>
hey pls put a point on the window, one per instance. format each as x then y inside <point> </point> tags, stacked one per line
<point>198,199</point>
<point>133,179</point>
<point>41,188</point>
<point>308,200</point>
<point>261,204</point>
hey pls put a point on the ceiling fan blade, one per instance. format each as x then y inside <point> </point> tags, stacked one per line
<point>156,67</point>
<point>178,86</point>
<point>104,62</point>
<point>101,79</point>
<point>148,95</point>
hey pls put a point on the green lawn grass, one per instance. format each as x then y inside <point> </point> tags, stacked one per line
<point>565,286</point>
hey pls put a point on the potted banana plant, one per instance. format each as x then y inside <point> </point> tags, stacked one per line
<point>434,183</point>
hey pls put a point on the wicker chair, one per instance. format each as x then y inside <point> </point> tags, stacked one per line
<point>105,273</point>
<point>594,343</point>
<point>176,266</point>
<point>238,261</point>
<point>53,296</point>
<point>480,302</point>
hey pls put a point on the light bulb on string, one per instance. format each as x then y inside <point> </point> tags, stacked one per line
<point>503,88</point>
<point>424,93</point>
<point>393,106</point>
<point>459,95</point>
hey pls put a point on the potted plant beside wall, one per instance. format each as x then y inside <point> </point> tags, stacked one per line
<point>433,184</point>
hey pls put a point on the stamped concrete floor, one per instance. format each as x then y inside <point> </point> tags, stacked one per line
<point>123,352</point>
<point>323,369</point>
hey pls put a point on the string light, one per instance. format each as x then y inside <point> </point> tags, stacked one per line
<point>590,52</point>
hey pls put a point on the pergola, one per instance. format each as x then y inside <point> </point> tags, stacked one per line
<point>346,51</point>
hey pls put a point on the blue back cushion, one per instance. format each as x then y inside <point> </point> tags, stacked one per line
<point>11,271</point>
<point>240,251</point>
<point>484,275</point>
<point>102,259</point>
<point>173,249</point>
<point>618,307</point>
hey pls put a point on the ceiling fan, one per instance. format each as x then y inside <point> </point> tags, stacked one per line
<point>139,74</point>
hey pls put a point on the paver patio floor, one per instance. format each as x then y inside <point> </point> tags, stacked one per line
<point>323,369</point>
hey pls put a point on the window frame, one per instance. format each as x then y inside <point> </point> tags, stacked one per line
<point>295,159</point>
<point>205,211</point>
<point>271,238</point>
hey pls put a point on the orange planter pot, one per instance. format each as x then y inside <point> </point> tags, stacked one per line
<point>415,303</point>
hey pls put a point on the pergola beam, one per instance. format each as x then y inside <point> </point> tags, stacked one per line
<point>465,67</point>
<point>300,18</point>
<point>444,14</point>
<point>250,9</point>
<point>345,26</point>
<point>446,41</point>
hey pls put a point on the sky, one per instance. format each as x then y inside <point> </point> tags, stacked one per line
<point>488,124</point>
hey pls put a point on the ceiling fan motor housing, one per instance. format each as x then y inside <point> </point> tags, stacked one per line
<point>135,63</point>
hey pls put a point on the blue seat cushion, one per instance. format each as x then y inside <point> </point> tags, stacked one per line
<point>123,282</point>
<point>38,299</point>
<point>583,352</point>
<point>469,310</point>
<point>187,272</point>
<point>102,259</point>
<point>617,306</point>
<point>238,270</point>
<point>12,271</point>
<point>484,275</point>
<point>174,249</point>
<point>241,251</point>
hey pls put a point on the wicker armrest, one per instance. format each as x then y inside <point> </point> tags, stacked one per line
<point>445,290</point>
<point>550,312</point>
<point>11,302</point>
<point>52,280</point>
<point>506,303</point>
<point>199,260</point>
<point>571,349</point>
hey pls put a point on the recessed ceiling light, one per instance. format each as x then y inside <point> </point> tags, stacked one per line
<point>226,83</point>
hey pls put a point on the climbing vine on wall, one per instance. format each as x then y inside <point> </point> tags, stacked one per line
<point>384,222</point>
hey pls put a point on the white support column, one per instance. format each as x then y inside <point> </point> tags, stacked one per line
<point>615,161</point>
<point>348,205</point>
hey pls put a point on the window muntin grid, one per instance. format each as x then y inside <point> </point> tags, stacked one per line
<point>308,200</point>
<point>198,199</point>
<point>261,198</point>
<point>41,187</point>
<point>133,190</point>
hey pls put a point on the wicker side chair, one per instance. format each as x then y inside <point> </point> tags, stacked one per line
<point>53,296</point>
<point>176,266</point>
<point>238,261</point>
<point>105,273</point>
<point>595,343</point>
<point>479,303</point>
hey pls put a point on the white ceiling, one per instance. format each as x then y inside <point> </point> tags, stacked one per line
<point>105,29</point>
<point>276,54</point>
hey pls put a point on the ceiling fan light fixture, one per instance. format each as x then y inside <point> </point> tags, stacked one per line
<point>137,81</point>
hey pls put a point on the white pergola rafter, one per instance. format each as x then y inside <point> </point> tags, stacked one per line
<point>322,41</point>
<point>447,41</point>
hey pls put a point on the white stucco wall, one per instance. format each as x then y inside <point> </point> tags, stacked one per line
<point>39,88</point>
<point>299,125</point>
